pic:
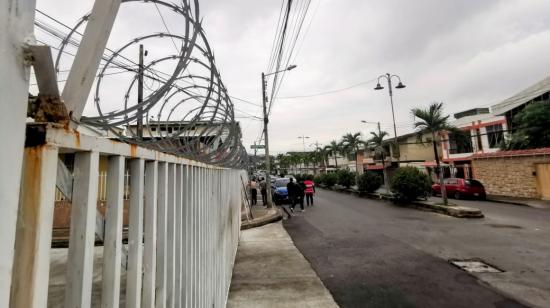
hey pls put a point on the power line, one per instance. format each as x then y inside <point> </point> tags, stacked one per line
<point>329,92</point>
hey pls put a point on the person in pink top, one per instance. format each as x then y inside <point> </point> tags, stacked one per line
<point>310,191</point>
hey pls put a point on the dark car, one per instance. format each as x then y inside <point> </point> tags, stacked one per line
<point>279,191</point>
<point>461,188</point>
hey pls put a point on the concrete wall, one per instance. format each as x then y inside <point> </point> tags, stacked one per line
<point>412,150</point>
<point>509,176</point>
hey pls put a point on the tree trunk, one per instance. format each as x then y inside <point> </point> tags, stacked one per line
<point>440,172</point>
<point>335,162</point>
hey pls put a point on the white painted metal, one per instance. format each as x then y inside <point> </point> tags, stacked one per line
<point>135,234</point>
<point>178,236</point>
<point>112,245</point>
<point>16,23</point>
<point>170,259</point>
<point>149,254</point>
<point>81,242</point>
<point>198,204</point>
<point>160,298</point>
<point>34,225</point>
<point>82,74</point>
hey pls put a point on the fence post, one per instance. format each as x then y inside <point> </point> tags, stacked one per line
<point>112,244</point>
<point>160,296</point>
<point>81,242</point>
<point>178,238</point>
<point>149,255</point>
<point>16,25</point>
<point>135,234</point>
<point>34,228</point>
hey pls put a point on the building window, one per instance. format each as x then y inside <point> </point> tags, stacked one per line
<point>460,143</point>
<point>495,135</point>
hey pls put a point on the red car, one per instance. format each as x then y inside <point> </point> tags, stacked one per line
<point>461,188</point>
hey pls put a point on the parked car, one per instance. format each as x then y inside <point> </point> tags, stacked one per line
<point>461,188</point>
<point>279,191</point>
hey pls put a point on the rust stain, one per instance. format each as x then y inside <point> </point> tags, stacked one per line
<point>77,139</point>
<point>133,150</point>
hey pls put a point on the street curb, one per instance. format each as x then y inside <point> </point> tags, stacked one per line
<point>273,215</point>
<point>454,211</point>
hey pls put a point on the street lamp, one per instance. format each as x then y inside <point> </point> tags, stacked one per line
<point>400,85</point>
<point>303,141</point>
<point>266,120</point>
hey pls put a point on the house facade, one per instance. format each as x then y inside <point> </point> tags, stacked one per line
<point>482,132</point>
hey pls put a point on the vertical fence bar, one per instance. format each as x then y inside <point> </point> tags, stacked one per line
<point>184,235</point>
<point>201,236</point>
<point>170,236</point>
<point>150,236</point>
<point>196,237</point>
<point>178,225</point>
<point>81,240</point>
<point>112,245</point>
<point>160,297</point>
<point>34,228</point>
<point>16,22</point>
<point>189,265</point>
<point>135,234</point>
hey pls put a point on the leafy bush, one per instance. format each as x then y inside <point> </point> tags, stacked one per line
<point>317,179</point>
<point>329,179</point>
<point>346,178</point>
<point>409,183</point>
<point>369,182</point>
<point>309,177</point>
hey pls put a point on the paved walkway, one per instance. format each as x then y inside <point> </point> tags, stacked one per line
<point>271,272</point>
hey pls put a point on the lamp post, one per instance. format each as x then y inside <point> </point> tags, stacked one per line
<point>266,120</point>
<point>400,85</point>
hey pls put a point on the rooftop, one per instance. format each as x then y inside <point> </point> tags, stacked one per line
<point>522,97</point>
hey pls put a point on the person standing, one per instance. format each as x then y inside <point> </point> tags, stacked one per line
<point>301,194</point>
<point>309,191</point>
<point>292,189</point>
<point>253,192</point>
<point>263,191</point>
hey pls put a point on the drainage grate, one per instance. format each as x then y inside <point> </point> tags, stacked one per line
<point>475,266</point>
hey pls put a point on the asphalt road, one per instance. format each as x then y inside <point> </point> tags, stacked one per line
<point>371,253</point>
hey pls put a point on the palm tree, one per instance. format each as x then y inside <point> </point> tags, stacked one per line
<point>333,149</point>
<point>432,121</point>
<point>351,143</point>
<point>377,141</point>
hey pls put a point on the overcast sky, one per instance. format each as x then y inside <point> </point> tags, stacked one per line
<point>465,53</point>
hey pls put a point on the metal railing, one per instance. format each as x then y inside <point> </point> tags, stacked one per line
<point>184,222</point>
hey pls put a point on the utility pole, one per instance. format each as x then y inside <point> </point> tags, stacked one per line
<point>266,120</point>
<point>266,136</point>
<point>140,94</point>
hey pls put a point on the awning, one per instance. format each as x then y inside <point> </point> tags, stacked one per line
<point>375,167</point>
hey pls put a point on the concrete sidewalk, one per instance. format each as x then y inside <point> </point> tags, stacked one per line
<point>271,272</point>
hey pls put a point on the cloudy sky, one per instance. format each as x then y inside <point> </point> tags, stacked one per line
<point>464,53</point>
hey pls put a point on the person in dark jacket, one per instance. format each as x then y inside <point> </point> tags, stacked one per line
<point>293,193</point>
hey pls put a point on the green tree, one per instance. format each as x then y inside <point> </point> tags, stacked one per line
<point>351,143</point>
<point>333,149</point>
<point>431,120</point>
<point>531,127</point>
<point>377,143</point>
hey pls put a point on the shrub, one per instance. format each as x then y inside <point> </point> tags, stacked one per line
<point>409,183</point>
<point>369,182</point>
<point>317,179</point>
<point>309,177</point>
<point>346,178</point>
<point>329,179</point>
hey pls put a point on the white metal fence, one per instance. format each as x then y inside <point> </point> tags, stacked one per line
<point>184,222</point>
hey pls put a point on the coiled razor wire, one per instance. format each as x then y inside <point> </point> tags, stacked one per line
<point>189,115</point>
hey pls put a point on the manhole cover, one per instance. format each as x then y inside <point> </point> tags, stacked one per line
<point>475,266</point>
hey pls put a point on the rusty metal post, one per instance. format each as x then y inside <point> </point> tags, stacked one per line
<point>34,228</point>
<point>16,25</point>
